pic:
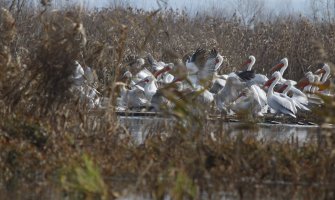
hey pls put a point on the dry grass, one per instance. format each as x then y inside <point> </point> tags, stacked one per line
<point>47,137</point>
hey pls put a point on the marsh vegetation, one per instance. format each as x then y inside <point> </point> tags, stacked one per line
<point>52,146</point>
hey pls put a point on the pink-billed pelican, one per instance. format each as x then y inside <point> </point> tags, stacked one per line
<point>304,84</point>
<point>211,66</point>
<point>324,83</point>
<point>249,101</point>
<point>131,98</point>
<point>150,86</point>
<point>298,99</point>
<point>192,66</point>
<point>235,83</point>
<point>259,79</point>
<point>201,68</point>
<point>277,102</point>
<point>281,66</point>
<point>77,76</point>
<point>150,82</point>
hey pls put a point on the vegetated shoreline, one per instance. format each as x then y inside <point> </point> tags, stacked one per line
<point>44,130</point>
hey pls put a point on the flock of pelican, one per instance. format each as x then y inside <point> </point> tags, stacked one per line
<point>234,93</point>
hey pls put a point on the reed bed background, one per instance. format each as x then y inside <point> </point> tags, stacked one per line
<point>49,139</point>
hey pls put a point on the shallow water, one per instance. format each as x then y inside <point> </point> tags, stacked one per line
<point>140,127</point>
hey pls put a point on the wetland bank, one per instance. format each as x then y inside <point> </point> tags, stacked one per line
<point>51,148</point>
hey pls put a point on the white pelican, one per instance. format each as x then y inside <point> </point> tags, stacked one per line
<point>89,75</point>
<point>219,81</point>
<point>212,65</point>
<point>131,98</point>
<point>249,101</point>
<point>325,72</point>
<point>324,83</point>
<point>205,97</point>
<point>313,98</point>
<point>150,87</point>
<point>163,75</point>
<point>299,99</point>
<point>253,96</point>
<point>82,84</point>
<point>159,101</point>
<point>235,83</point>
<point>315,86</point>
<point>134,64</point>
<point>143,73</point>
<point>154,64</point>
<point>259,79</point>
<point>304,84</point>
<point>277,102</point>
<point>140,76</point>
<point>150,82</point>
<point>250,62</point>
<point>201,70</point>
<point>200,98</point>
<point>281,66</point>
<point>77,76</point>
<point>193,65</point>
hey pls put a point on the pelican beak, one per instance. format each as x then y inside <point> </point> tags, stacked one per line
<point>280,90</point>
<point>142,81</point>
<point>165,69</point>
<point>177,80</point>
<point>322,86</point>
<point>246,63</point>
<point>269,82</point>
<point>302,83</point>
<point>276,67</point>
<point>320,71</point>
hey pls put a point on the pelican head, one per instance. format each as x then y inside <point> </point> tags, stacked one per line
<point>282,65</point>
<point>324,72</point>
<point>140,62</point>
<point>167,67</point>
<point>78,71</point>
<point>127,74</point>
<point>147,79</point>
<point>214,54</point>
<point>325,69</point>
<point>250,62</point>
<point>309,78</point>
<point>289,82</point>
<point>276,75</point>
<point>252,59</point>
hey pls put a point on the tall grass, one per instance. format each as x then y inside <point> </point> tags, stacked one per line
<point>44,128</point>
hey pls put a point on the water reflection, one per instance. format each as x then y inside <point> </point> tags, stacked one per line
<point>140,127</point>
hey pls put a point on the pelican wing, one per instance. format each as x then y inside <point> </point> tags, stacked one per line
<point>217,85</point>
<point>199,57</point>
<point>261,94</point>
<point>299,96</point>
<point>260,79</point>
<point>231,90</point>
<point>246,75</point>
<point>281,105</point>
<point>143,74</point>
<point>205,98</point>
